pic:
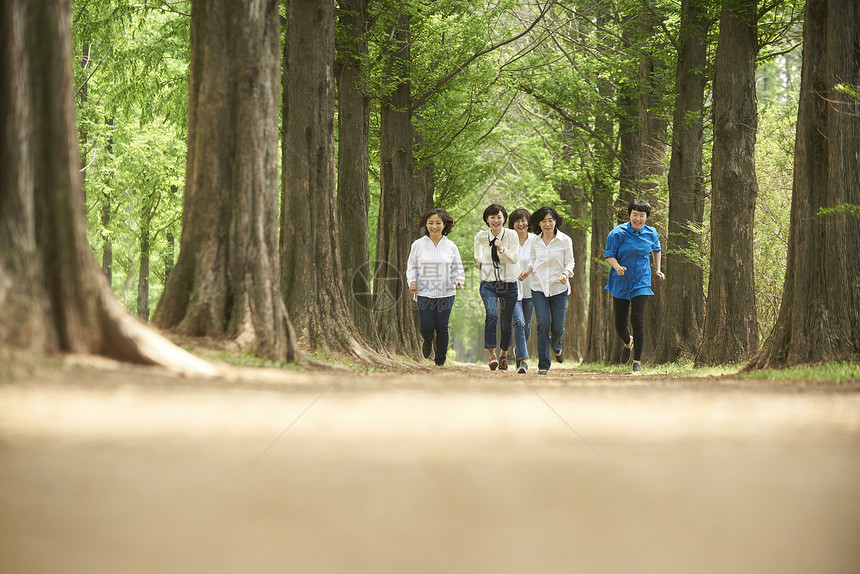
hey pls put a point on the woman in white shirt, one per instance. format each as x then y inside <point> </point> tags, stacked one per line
<point>524,309</point>
<point>550,260</point>
<point>496,255</point>
<point>434,271</point>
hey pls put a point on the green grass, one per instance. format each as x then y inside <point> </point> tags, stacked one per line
<point>838,372</point>
<point>679,369</point>
<point>246,359</point>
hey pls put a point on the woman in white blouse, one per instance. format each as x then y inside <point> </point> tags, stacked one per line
<point>550,260</point>
<point>496,255</point>
<point>434,271</point>
<point>524,309</point>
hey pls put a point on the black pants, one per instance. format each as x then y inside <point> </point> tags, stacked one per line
<point>636,309</point>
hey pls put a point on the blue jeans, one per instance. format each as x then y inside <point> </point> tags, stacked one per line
<point>522,325</point>
<point>549,313</point>
<point>433,315</point>
<point>499,300</point>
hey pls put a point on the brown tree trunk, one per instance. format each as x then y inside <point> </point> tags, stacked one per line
<point>399,206</point>
<point>576,319</point>
<point>601,331</point>
<point>60,300</point>
<point>143,269</point>
<point>819,319</point>
<point>225,283</point>
<point>731,325</point>
<point>353,189</point>
<point>310,260</point>
<point>681,331</point>
<point>107,251</point>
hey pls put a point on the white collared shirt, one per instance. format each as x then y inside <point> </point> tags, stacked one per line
<point>525,286</point>
<point>548,262</point>
<point>436,268</point>
<point>508,256</point>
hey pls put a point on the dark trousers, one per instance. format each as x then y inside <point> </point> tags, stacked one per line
<point>499,300</point>
<point>433,315</point>
<point>636,309</point>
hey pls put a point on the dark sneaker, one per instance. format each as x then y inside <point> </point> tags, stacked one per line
<point>522,368</point>
<point>494,362</point>
<point>626,352</point>
<point>637,368</point>
<point>503,364</point>
<point>427,348</point>
<point>542,371</point>
<point>559,357</point>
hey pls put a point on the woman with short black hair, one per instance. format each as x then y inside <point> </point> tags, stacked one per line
<point>434,271</point>
<point>521,321</point>
<point>496,253</point>
<point>628,250</point>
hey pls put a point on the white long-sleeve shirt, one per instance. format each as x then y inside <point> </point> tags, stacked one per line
<point>436,268</point>
<point>508,257</point>
<point>525,286</point>
<point>548,262</point>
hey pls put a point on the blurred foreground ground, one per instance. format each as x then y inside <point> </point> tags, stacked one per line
<point>119,470</point>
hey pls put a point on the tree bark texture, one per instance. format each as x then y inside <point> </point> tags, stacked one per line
<point>225,282</point>
<point>576,319</point>
<point>143,269</point>
<point>731,325</point>
<point>310,260</point>
<point>399,206</point>
<point>681,331</point>
<point>53,296</point>
<point>819,318</point>
<point>353,189</point>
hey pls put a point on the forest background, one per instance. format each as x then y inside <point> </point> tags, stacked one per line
<point>570,104</point>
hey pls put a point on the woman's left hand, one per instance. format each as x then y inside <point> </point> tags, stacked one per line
<point>563,279</point>
<point>661,276</point>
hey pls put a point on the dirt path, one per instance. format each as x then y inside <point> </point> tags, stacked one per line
<point>443,471</point>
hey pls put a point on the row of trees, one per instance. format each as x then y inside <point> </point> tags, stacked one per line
<point>270,263</point>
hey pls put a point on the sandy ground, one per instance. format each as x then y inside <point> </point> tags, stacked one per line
<point>122,470</point>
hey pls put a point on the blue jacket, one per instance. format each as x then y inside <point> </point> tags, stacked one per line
<point>633,250</point>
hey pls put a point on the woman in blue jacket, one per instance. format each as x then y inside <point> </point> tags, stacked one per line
<point>628,251</point>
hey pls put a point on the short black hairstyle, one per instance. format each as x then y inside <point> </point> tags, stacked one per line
<point>493,209</point>
<point>639,205</point>
<point>540,215</point>
<point>518,214</point>
<point>446,219</point>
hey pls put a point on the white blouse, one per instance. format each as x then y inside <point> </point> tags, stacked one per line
<point>436,268</point>
<point>525,286</point>
<point>508,256</point>
<point>548,262</point>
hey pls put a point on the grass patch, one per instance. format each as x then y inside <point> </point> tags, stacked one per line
<point>678,369</point>
<point>246,359</point>
<point>838,372</point>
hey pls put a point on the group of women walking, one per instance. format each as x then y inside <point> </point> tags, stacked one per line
<point>526,270</point>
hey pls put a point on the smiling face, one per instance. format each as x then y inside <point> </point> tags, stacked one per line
<point>638,219</point>
<point>496,222</point>
<point>435,225</point>
<point>547,224</point>
<point>521,225</point>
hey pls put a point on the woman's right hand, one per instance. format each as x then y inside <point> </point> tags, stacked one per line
<point>478,265</point>
<point>620,270</point>
<point>413,290</point>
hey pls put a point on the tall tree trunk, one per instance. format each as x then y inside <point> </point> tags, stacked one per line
<point>681,331</point>
<point>107,250</point>
<point>353,189</point>
<point>143,269</point>
<point>60,300</point>
<point>399,205</point>
<point>170,253</point>
<point>576,319</point>
<point>310,260</point>
<point>731,325</point>
<point>819,319</point>
<point>651,167</point>
<point>225,283</point>
<point>600,321</point>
